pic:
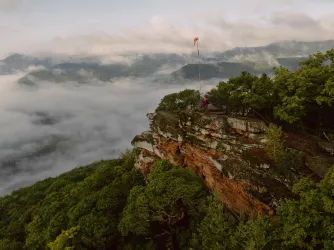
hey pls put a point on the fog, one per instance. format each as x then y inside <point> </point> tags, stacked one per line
<point>52,128</point>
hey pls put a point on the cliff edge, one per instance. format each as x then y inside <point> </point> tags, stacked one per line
<point>228,152</point>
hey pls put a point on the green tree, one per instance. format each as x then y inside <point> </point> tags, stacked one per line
<point>241,87</point>
<point>253,234</point>
<point>303,91</point>
<point>66,240</point>
<point>10,244</point>
<point>273,145</point>
<point>176,102</point>
<point>155,211</point>
<point>261,94</point>
<point>307,223</point>
<point>216,228</point>
<point>92,197</point>
<point>282,157</point>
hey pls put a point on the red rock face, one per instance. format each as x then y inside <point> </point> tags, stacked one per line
<point>225,151</point>
<point>231,192</point>
<point>145,161</point>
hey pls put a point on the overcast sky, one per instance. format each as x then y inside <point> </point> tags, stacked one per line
<point>109,26</point>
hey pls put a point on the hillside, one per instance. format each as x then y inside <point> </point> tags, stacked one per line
<point>85,71</point>
<point>278,49</point>
<point>17,62</point>
<point>221,70</point>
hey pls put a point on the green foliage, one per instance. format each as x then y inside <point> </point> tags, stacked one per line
<point>261,94</point>
<point>273,145</point>
<point>303,97</point>
<point>107,205</point>
<point>176,102</point>
<point>274,148</point>
<point>308,222</point>
<point>66,240</point>
<point>52,211</point>
<point>253,234</point>
<point>171,196</point>
<point>244,91</point>
<point>215,229</point>
<point>306,91</point>
<point>10,244</point>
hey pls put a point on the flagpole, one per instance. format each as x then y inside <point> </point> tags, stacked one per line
<point>199,72</point>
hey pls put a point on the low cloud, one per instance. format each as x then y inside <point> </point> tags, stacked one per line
<point>35,68</point>
<point>55,127</point>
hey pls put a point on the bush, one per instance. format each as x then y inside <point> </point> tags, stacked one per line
<point>274,146</point>
<point>177,102</point>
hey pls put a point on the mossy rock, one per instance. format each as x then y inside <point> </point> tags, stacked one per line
<point>167,122</point>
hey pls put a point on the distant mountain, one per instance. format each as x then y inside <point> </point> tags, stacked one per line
<point>83,72</point>
<point>225,70</point>
<point>207,71</point>
<point>225,64</point>
<point>18,62</point>
<point>256,60</point>
<point>277,49</point>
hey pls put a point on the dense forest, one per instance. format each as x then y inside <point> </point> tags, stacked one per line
<point>110,205</point>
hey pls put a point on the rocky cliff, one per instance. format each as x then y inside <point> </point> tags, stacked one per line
<point>228,153</point>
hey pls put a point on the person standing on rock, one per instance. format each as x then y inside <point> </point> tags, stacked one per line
<point>205,104</point>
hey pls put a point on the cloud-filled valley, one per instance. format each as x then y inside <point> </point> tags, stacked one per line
<point>51,128</point>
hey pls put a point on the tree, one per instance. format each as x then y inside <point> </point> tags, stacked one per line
<point>66,240</point>
<point>10,244</point>
<point>307,223</point>
<point>304,92</point>
<point>253,234</point>
<point>261,95</point>
<point>273,145</point>
<point>50,211</point>
<point>171,197</point>
<point>215,230</point>
<point>177,102</point>
<point>220,95</point>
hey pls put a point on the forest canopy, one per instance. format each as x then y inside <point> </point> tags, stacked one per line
<point>108,205</point>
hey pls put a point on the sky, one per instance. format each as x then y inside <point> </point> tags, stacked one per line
<point>111,27</point>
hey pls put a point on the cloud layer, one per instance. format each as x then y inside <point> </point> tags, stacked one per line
<point>220,25</point>
<point>51,129</point>
<point>216,32</point>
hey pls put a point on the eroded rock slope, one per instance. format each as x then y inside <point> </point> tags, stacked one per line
<point>228,152</point>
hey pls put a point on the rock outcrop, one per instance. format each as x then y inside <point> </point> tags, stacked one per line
<point>227,152</point>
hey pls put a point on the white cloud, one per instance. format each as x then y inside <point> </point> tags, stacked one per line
<point>216,33</point>
<point>229,24</point>
<point>90,122</point>
<point>35,68</point>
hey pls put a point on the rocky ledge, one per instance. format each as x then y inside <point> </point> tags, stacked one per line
<point>228,152</point>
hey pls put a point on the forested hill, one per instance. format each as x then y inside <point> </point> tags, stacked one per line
<point>111,205</point>
<point>107,205</point>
